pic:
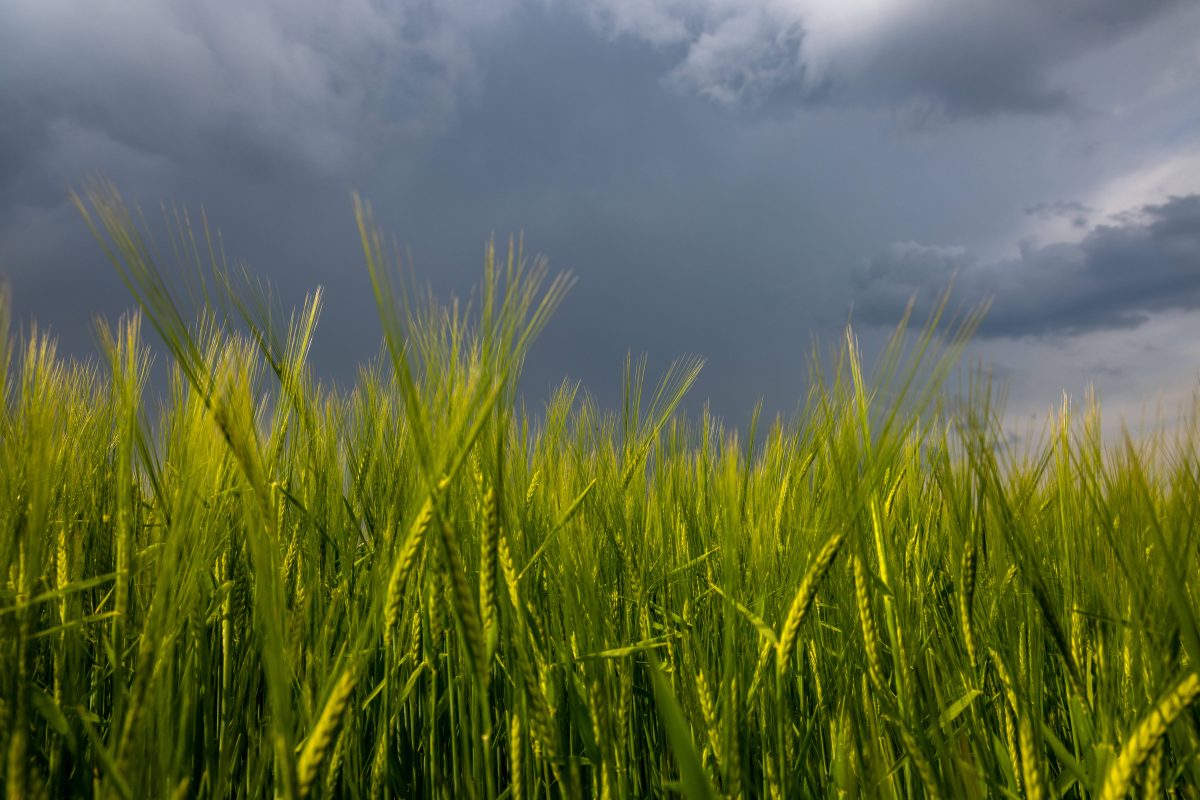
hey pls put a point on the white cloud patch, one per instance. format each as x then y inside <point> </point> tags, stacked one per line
<point>1143,378</point>
<point>748,57</point>
<point>1161,177</point>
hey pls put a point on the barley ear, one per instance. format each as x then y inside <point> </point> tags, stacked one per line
<point>379,763</point>
<point>1005,679</point>
<point>1031,762</point>
<point>462,603</point>
<point>489,544</point>
<point>515,744</point>
<point>804,598</point>
<point>966,599</point>
<point>1146,736</point>
<point>1152,787</point>
<point>531,492</point>
<point>325,730</point>
<point>760,670</point>
<point>869,628</point>
<point>403,567</point>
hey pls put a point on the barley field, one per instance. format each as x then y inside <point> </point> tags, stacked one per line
<point>253,584</point>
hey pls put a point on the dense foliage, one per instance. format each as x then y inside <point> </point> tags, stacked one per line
<point>259,585</point>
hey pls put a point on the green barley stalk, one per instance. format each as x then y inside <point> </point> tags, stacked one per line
<point>919,760</point>
<point>731,758</point>
<point>176,593</point>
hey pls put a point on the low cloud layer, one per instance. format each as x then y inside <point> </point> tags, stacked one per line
<point>1118,275</point>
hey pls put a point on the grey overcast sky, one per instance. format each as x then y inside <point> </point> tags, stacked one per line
<point>729,178</point>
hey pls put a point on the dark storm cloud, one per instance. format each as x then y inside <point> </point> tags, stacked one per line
<point>264,88</point>
<point>675,224</point>
<point>931,59</point>
<point>703,166</point>
<point>648,195</point>
<point>288,91</point>
<point>265,113</point>
<point>1117,276</point>
<point>984,57</point>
